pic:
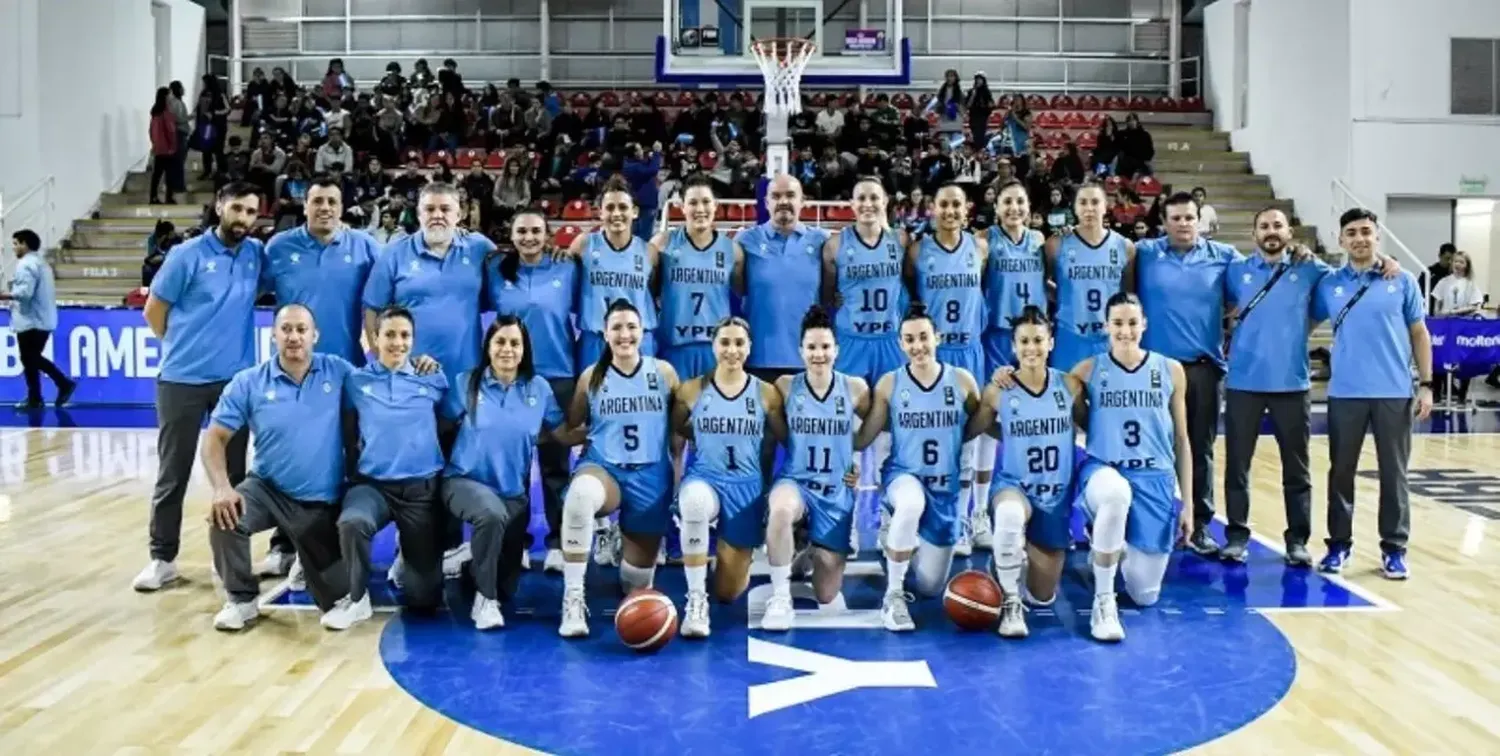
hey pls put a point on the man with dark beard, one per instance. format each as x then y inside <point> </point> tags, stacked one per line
<point>202,307</point>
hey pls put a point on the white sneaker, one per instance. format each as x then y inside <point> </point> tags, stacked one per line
<point>1104,621</point>
<point>979,525</point>
<point>155,576</point>
<point>486,614</point>
<point>607,545</point>
<point>695,616</point>
<point>234,616</point>
<point>895,614</point>
<point>276,564</point>
<point>779,615</point>
<point>554,561</point>
<point>393,575</point>
<point>1013,618</point>
<point>575,615</point>
<point>297,578</point>
<point>661,553</point>
<point>526,561</point>
<point>346,614</point>
<point>454,559</point>
<point>965,545</point>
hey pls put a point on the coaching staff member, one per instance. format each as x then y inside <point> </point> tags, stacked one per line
<point>202,307</point>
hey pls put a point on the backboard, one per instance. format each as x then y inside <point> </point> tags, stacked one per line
<point>707,42</point>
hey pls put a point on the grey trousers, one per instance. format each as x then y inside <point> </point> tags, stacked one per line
<point>1291,414</point>
<point>413,505</point>
<point>311,528</point>
<point>499,533</point>
<point>1390,420</point>
<point>1205,390</point>
<point>555,463</point>
<point>180,412</point>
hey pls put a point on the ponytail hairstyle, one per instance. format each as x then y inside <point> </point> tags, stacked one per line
<point>816,318</point>
<point>607,355</point>
<point>1121,298</point>
<point>524,371</point>
<point>1031,315</point>
<point>733,321</point>
<point>616,183</point>
<point>510,257</point>
<point>918,311</point>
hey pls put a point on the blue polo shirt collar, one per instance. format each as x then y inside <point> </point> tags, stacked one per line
<point>404,368</point>
<point>218,247</point>
<point>278,373</point>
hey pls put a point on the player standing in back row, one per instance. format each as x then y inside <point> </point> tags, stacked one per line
<point>698,266</point>
<point>1089,265</point>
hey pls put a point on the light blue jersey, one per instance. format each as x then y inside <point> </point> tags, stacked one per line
<point>610,274</point>
<point>727,432</point>
<point>694,288</point>
<point>927,430</point>
<point>1130,415</point>
<point>1014,277</point>
<point>819,451</point>
<point>870,285</point>
<point>1087,276</point>
<point>628,415</point>
<point>948,282</point>
<point>1037,455</point>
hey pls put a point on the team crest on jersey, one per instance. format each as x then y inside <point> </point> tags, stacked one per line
<point>640,264</point>
<point>838,405</point>
<point>891,252</point>
<point>327,387</point>
<point>801,401</point>
<point>1390,288</point>
<point>1155,378</point>
<point>271,395</point>
<point>1062,403</point>
<point>1247,278</point>
<point>905,398</point>
<point>719,258</point>
<point>1294,276</point>
<point>750,404</point>
<point>1015,403</point>
<point>948,396</point>
<point>1114,257</point>
<point>1338,291</point>
<point>651,381</point>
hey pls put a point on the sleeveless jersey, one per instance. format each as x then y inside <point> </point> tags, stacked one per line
<point>610,274</point>
<point>628,415</point>
<point>1014,277</point>
<point>728,430</point>
<point>1087,277</point>
<point>870,285</point>
<point>948,283</point>
<point>1037,437</point>
<point>1130,414</point>
<point>820,438</point>
<point>927,430</point>
<point>695,287</point>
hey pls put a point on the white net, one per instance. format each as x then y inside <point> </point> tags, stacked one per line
<point>781,61</point>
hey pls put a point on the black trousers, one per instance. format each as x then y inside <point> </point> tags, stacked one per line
<point>1205,389</point>
<point>555,462</point>
<point>33,363</point>
<point>313,530</point>
<point>1291,414</point>
<point>1390,422</point>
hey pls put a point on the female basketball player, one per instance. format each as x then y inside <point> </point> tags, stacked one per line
<point>820,472</point>
<point>697,266</point>
<point>503,411</point>
<point>616,265</point>
<point>1089,266</point>
<point>1137,439</point>
<point>1013,279</point>
<point>1033,417</point>
<point>727,414</point>
<point>399,462</point>
<point>624,399</point>
<point>948,267</point>
<point>539,288</point>
<point>925,406</point>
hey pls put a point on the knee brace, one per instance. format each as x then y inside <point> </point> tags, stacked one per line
<point>585,497</point>
<point>984,448</point>
<point>1009,526</point>
<point>697,505</point>
<point>1108,496</point>
<point>907,501</point>
<point>1143,575</point>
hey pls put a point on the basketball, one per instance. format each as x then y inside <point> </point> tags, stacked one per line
<point>973,600</point>
<point>646,620</point>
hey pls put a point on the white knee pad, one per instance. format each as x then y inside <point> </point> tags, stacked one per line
<point>929,568</point>
<point>1009,524</point>
<point>1107,495</point>
<point>697,506</point>
<point>968,454</point>
<point>879,452</point>
<point>585,497</point>
<point>1143,575</point>
<point>985,447</point>
<point>907,501</point>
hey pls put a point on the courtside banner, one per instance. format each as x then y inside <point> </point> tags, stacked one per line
<point>109,350</point>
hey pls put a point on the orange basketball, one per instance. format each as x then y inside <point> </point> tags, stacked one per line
<point>646,620</point>
<point>973,600</point>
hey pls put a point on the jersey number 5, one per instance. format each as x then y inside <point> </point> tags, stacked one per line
<point>632,435</point>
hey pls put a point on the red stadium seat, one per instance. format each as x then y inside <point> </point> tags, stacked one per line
<point>1088,140</point>
<point>549,209</point>
<point>1148,187</point>
<point>870,102</point>
<point>902,101</point>
<point>565,236</point>
<point>440,157</point>
<point>1089,102</point>
<point>1191,104</point>
<point>996,118</point>
<point>675,214</point>
<point>577,210</point>
<point>1165,104</point>
<point>1037,102</point>
<point>495,160</point>
<point>808,215</point>
<point>580,100</point>
<point>739,213</point>
<point>1116,102</point>
<point>1075,120</point>
<point>1047,120</point>
<point>1096,121</point>
<point>1140,103</point>
<point>840,214</point>
<point>663,99</point>
<point>1063,102</point>
<point>535,158</point>
<point>708,159</point>
<point>413,155</point>
<point>471,155</point>
<point>1113,184</point>
<point>609,99</point>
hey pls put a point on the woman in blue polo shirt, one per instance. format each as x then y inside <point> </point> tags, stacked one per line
<point>504,409</point>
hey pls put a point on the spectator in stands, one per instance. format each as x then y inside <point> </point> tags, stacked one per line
<point>289,204</point>
<point>184,123</point>
<point>980,103</point>
<point>266,163</point>
<point>164,156</point>
<point>388,230</point>
<point>1068,167</point>
<point>1136,149</point>
<point>1106,152</point>
<point>234,165</point>
<point>1456,295</point>
<point>1060,218</point>
<point>640,170</point>
<point>983,215</point>
<point>156,254</point>
<point>336,117</point>
<point>1208,217</point>
<point>303,151</point>
<point>211,124</point>
<point>279,120</point>
<point>1436,272</point>
<point>335,156</point>
<point>33,318</point>
<point>258,97</point>
<point>393,84</point>
<point>948,105</point>
<point>336,83</point>
<point>450,80</point>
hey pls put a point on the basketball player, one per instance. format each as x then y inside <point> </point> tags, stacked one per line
<point>399,462</point>
<point>202,307</point>
<point>1034,419</point>
<point>821,471</point>
<point>503,410</point>
<point>925,406</point>
<point>947,268</point>
<point>1137,439</point>
<point>1089,266</point>
<point>624,399</point>
<point>783,269</point>
<point>727,414</point>
<point>1014,278</point>
<point>616,265</point>
<point>323,265</point>
<point>698,265</point>
<point>292,404</point>
<point>1379,329</point>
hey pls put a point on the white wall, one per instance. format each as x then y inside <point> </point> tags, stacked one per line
<point>1423,224</point>
<point>189,45</point>
<point>1218,63</point>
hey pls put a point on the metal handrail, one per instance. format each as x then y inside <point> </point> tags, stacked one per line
<point>9,207</point>
<point>1388,237</point>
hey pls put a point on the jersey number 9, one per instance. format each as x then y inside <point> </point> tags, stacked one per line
<point>1096,300</point>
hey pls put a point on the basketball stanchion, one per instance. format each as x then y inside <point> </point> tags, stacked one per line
<point>782,61</point>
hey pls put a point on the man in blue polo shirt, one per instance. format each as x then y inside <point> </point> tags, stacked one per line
<point>1379,329</point>
<point>202,307</point>
<point>1180,279</point>
<point>33,318</point>
<point>292,404</point>
<point>783,278</point>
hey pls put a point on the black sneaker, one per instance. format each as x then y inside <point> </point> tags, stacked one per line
<point>1235,551</point>
<point>29,405</point>
<point>64,393</point>
<point>1298,556</point>
<point>1203,544</point>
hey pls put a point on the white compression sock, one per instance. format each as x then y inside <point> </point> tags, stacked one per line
<point>696,506</point>
<point>984,467</point>
<point>781,580</point>
<point>1010,540</point>
<point>907,501</point>
<point>584,498</point>
<point>895,578</point>
<point>634,578</point>
<point>1108,495</point>
<point>968,453</point>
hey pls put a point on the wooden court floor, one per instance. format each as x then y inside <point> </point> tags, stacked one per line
<point>88,666</point>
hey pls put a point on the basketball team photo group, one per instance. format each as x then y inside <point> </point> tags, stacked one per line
<point>823,384</point>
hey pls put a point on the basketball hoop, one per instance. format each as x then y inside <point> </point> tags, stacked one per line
<point>781,61</point>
